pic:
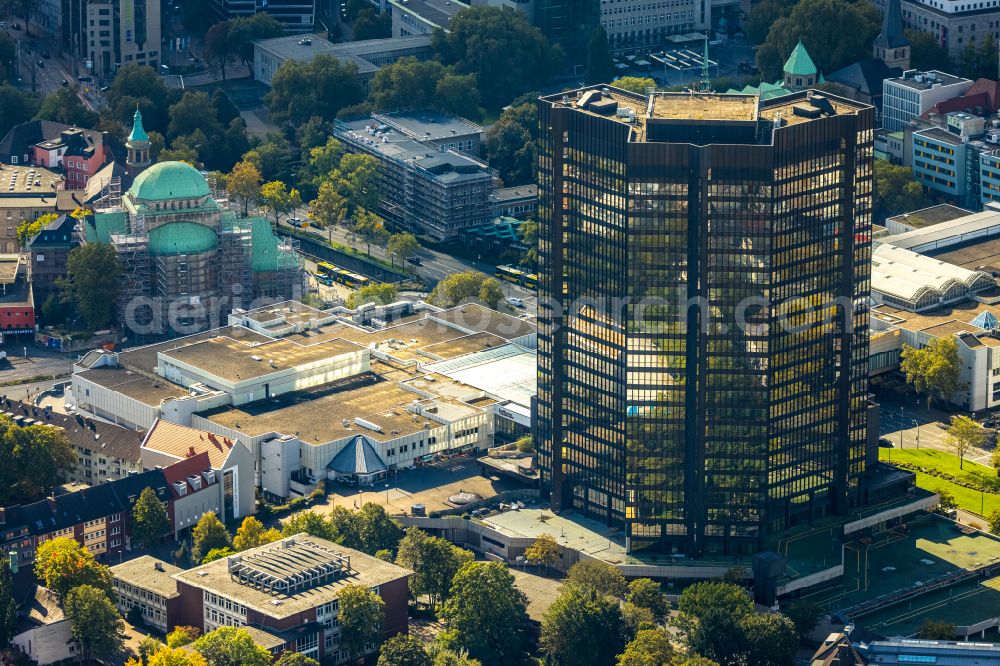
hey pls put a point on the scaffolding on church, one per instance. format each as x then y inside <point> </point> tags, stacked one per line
<point>133,253</point>
<point>235,267</point>
<point>111,196</point>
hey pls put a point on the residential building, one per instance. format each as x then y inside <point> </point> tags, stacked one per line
<point>79,153</point>
<point>367,55</point>
<point>229,462</point>
<point>187,260</point>
<point>298,16</point>
<point>695,438</point>
<point>26,144</point>
<point>422,17</point>
<point>17,303</point>
<point>30,193</point>
<point>296,386</point>
<point>939,159</point>
<point>105,452</point>
<point>45,634</point>
<point>911,95</point>
<point>287,593</point>
<point>427,188</point>
<point>147,583</point>
<point>98,517</point>
<point>48,253</point>
<point>108,34</point>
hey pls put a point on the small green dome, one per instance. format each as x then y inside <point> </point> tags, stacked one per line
<point>169,180</point>
<point>181,238</point>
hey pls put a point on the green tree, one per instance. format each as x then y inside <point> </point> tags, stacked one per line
<point>528,233</point>
<point>356,178</point>
<point>402,246</point>
<point>194,111</point>
<point>247,29</point>
<point>462,287</point>
<point>598,576</point>
<point>805,616</point>
<point>311,523</point>
<point>16,107</point>
<point>278,199</point>
<point>62,564</point>
<point>932,370</point>
<point>136,84</point>
<point>992,520</point>
<point>458,94</point>
<point>770,638</point>
<point>646,593</point>
<point>443,656</point>
<point>149,518</point>
<point>406,84</point>
<point>583,627</point>
<point>322,87</point>
<point>511,144</point>
<point>637,619</point>
<point>636,84</point>
<point>709,620</point>
<point>231,646</point>
<point>93,283</point>
<point>28,229</point>
<point>545,552</point>
<point>319,163</point>
<point>946,500</point>
<point>813,21</point>
<point>271,157</point>
<point>217,554</point>
<point>434,562</point>
<point>375,530</point>
<point>600,65</point>
<point>289,658</point>
<point>762,16</point>
<point>370,25</point>
<point>403,650</point>
<point>934,630</point>
<point>896,190</point>
<point>371,228</point>
<point>385,555</point>
<point>252,534</point>
<point>926,53</point>
<point>360,618</point>
<point>964,434</point>
<point>182,635</point>
<point>501,49</point>
<point>979,61</point>
<point>219,48</point>
<point>96,625</point>
<point>209,533</point>
<point>148,646</point>
<point>485,614</point>
<point>37,458</point>
<point>382,294</point>
<point>162,655</point>
<point>244,182</point>
<point>328,209</point>
<point>8,607</point>
<point>65,106</point>
<point>650,647</point>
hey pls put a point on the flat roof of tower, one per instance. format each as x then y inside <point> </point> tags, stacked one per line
<point>704,106</point>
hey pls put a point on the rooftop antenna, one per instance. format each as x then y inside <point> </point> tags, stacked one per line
<point>706,81</point>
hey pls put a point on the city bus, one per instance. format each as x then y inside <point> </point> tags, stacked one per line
<point>341,275</point>
<point>517,276</point>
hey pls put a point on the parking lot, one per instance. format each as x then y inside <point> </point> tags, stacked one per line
<point>430,485</point>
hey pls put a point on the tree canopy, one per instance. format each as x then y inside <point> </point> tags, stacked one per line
<point>485,614</point>
<point>403,650</point>
<point>598,576</point>
<point>636,84</point>
<point>834,32</point>
<point>383,294</point>
<point>231,646</point>
<point>63,564</point>
<point>933,370</point>
<point>583,627</point>
<point>208,533</point>
<point>457,288</point>
<point>92,284</point>
<point>505,53</point>
<point>96,625</point>
<point>434,560</point>
<point>896,191</point>
<point>511,144</point>
<point>978,59</point>
<point>963,435</point>
<point>926,53</point>
<point>323,86</point>
<point>600,65</point>
<point>360,618</point>
<point>8,606</point>
<point>139,84</point>
<point>36,458</point>
<point>252,534</point>
<point>149,518</point>
<point>65,106</point>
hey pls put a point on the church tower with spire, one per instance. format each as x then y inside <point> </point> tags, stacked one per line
<point>137,145</point>
<point>891,46</point>
<point>800,70</point>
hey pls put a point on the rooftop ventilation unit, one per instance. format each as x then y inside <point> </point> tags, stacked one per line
<point>367,424</point>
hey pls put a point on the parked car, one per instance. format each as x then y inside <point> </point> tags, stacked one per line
<point>516,302</point>
<point>64,83</point>
<point>41,64</point>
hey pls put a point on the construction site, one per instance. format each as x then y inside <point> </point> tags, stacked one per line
<point>188,259</point>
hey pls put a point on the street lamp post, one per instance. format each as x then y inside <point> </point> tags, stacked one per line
<point>900,428</point>
<point>917,423</point>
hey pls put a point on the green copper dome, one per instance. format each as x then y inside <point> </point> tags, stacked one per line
<point>169,180</point>
<point>799,63</point>
<point>181,238</point>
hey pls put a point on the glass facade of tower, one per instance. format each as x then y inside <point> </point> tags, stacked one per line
<point>704,279</point>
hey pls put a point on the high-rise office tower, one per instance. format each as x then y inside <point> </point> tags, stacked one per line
<point>703,316</point>
<point>108,34</point>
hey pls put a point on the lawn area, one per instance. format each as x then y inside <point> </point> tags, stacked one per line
<point>966,498</point>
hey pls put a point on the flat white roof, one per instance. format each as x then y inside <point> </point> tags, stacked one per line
<point>907,275</point>
<point>952,232</point>
<point>508,372</point>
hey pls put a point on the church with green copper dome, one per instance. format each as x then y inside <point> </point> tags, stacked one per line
<point>188,259</point>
